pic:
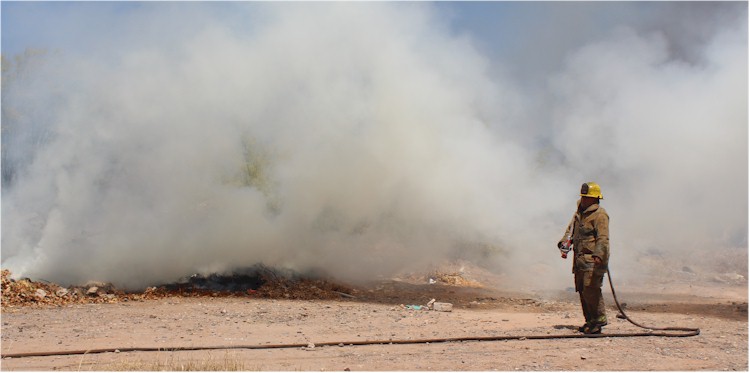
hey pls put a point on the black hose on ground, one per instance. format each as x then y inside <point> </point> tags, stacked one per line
<point>341,344</point>
<point>690,331</point>
<point>649,333</point>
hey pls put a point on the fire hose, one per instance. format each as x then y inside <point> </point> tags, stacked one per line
<point>650,332</point>
<point>689,332</point>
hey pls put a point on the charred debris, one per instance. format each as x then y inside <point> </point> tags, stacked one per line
<point>257,281</point>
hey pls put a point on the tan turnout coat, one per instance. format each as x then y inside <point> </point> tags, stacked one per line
<point>590,238</point>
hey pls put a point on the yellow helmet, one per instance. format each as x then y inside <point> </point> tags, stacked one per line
<point>591,189</point>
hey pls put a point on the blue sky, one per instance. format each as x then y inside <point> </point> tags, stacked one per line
<point>526,38</point>
<point>66,25</point>
<point>84,26</point>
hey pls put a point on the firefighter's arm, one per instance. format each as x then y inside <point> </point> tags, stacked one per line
<point>568,232</point>
<point>601,248</point>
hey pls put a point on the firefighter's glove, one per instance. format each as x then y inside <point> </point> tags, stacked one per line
<point>597,261</point>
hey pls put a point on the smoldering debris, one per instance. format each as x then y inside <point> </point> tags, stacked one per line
<point>258,281</point>
<point>262,281</point>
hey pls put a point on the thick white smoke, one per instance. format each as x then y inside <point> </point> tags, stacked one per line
<point>363,139</point>
<point>668,139</point>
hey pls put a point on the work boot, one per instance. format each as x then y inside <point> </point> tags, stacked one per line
<point>583,327</point>
<point>594,327</point>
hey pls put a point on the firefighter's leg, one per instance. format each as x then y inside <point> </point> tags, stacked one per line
<point>595,303</point>
<point>600,313</point>
<point>579,282</point>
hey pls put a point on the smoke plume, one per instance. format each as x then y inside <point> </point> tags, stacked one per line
<point>362,139</point>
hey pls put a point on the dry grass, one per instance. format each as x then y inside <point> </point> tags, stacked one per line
<point>173,363</point>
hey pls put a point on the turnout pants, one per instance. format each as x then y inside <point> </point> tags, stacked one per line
<point>589,288</point>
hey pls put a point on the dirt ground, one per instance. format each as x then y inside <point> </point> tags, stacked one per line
<point>379,311</point>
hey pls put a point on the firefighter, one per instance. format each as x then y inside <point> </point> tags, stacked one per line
<point>589,230</point>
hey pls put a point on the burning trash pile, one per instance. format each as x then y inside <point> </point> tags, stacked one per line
<point>259,281</point>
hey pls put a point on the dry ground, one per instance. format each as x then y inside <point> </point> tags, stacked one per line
<point>377,314</point>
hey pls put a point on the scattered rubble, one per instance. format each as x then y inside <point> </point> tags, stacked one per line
<point>442,307</point>
<point>267,284</point>
<point>24,292</point>
<point>457,273</point>
<point>456,279</point>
